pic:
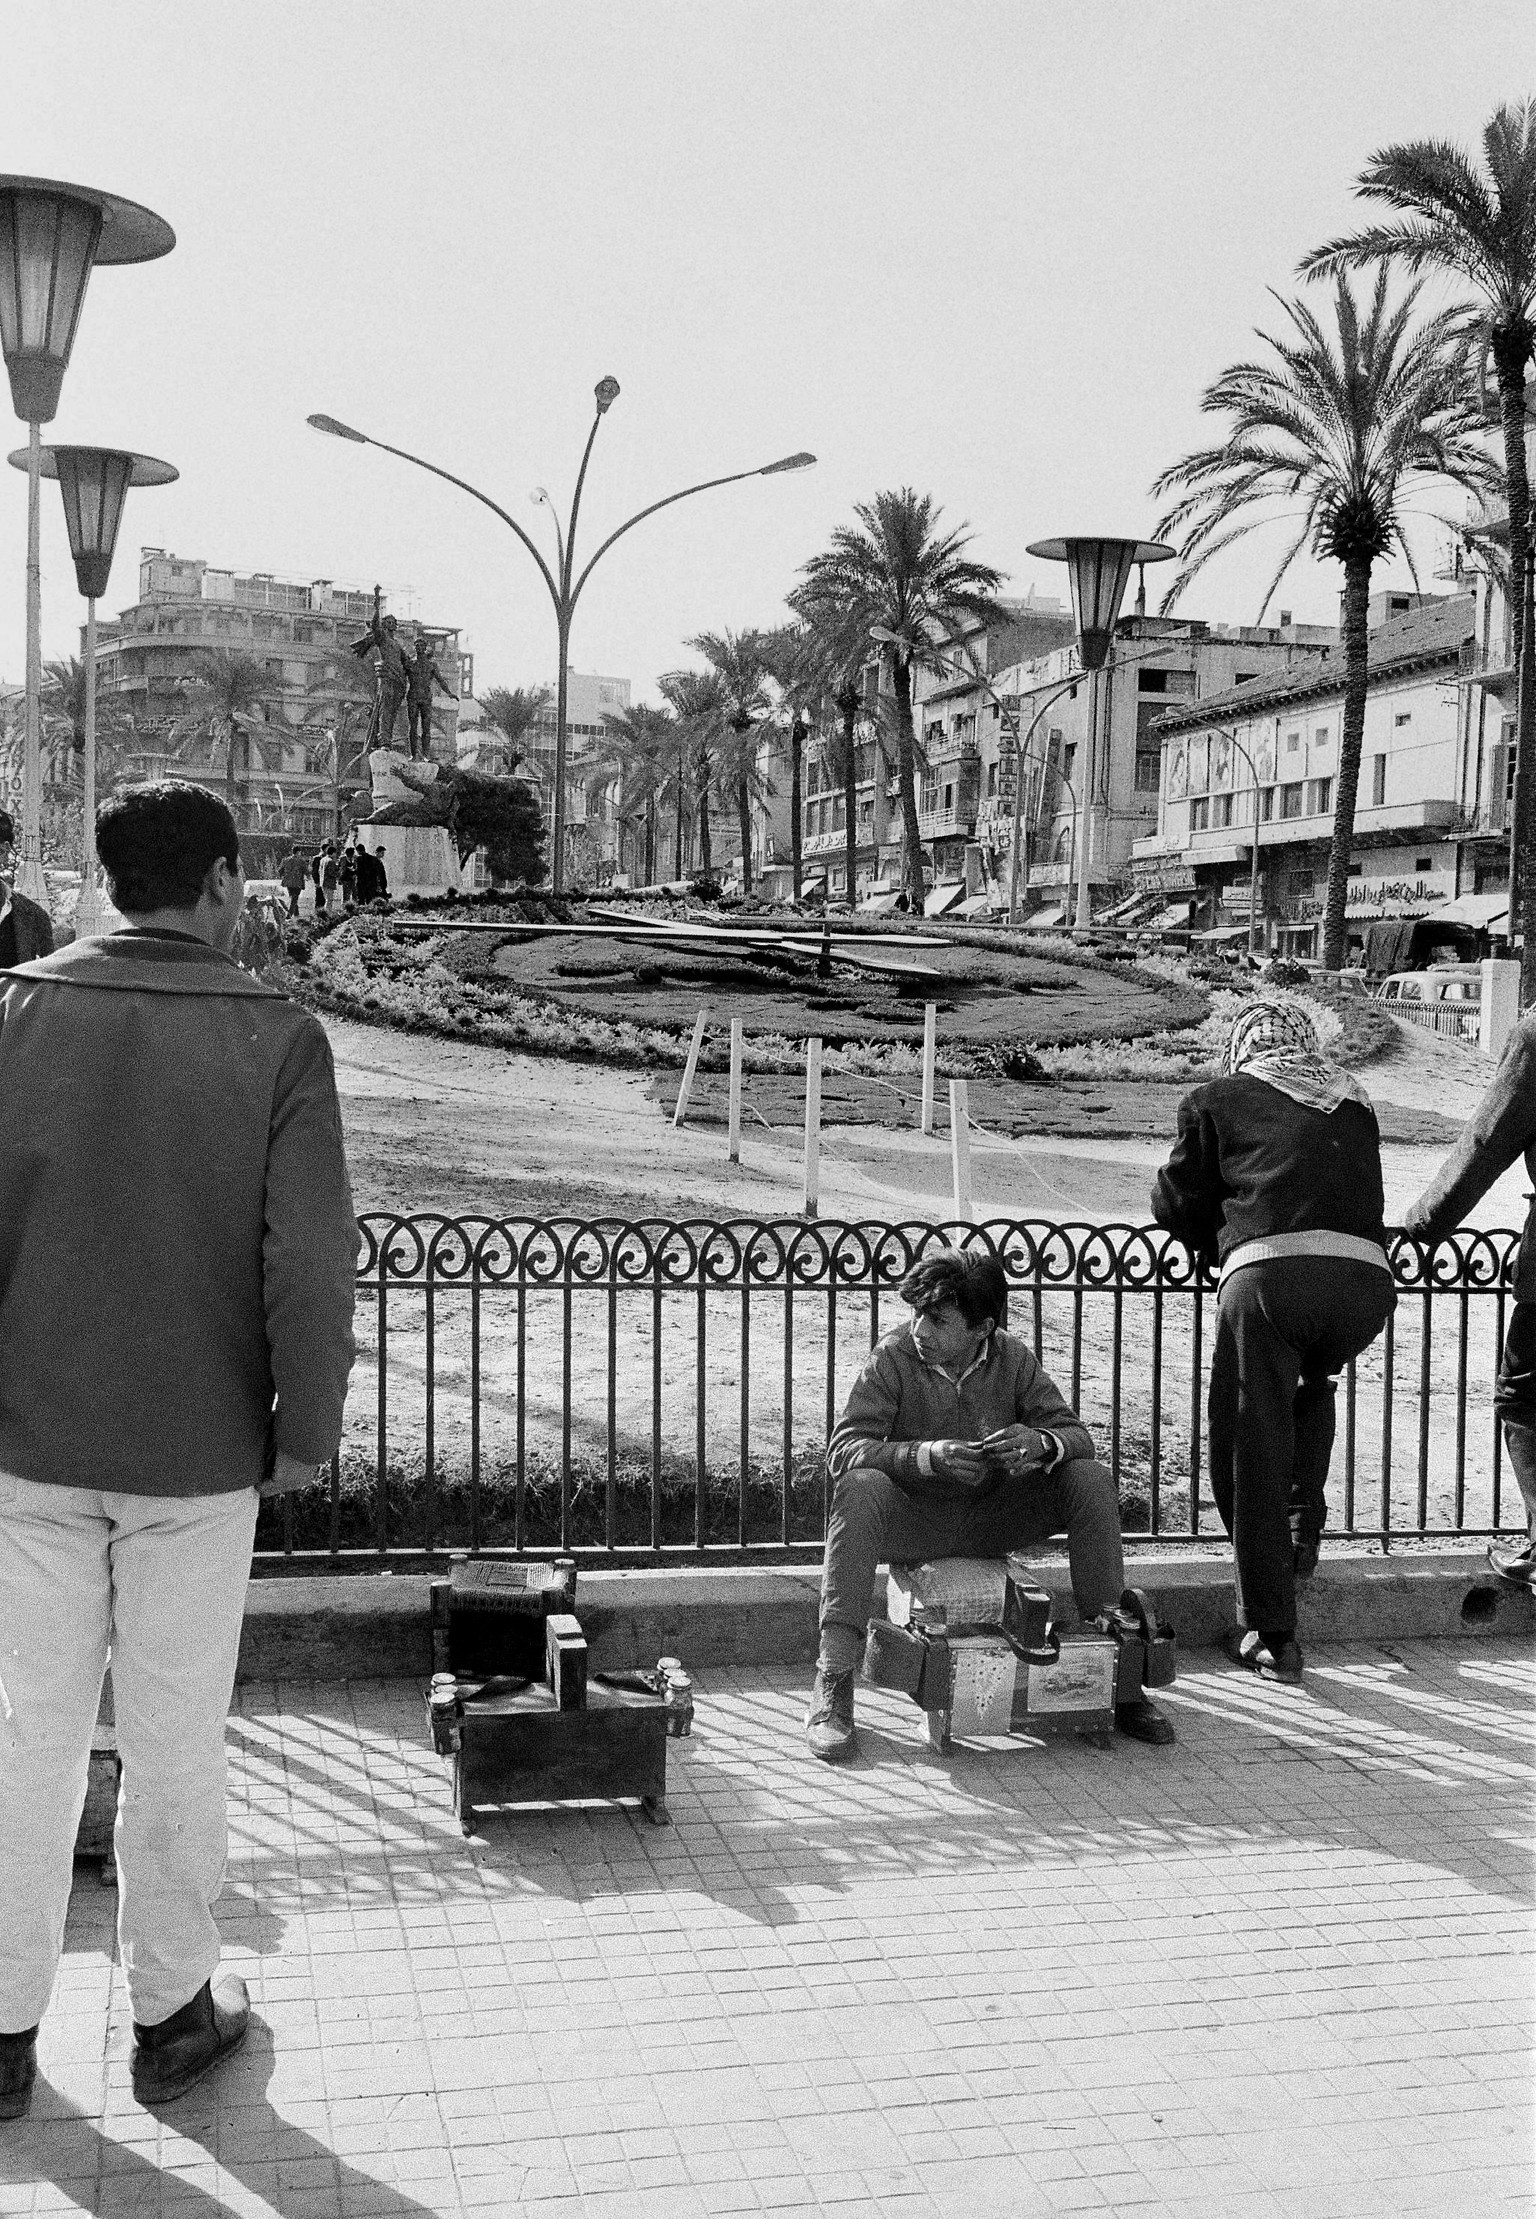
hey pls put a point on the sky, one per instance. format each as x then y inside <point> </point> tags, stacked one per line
<point>991,249</point>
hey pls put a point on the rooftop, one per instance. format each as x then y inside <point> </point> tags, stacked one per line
<point>1425,636</point>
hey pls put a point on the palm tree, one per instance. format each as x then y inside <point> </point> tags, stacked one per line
<point>1339,434</point>
<point>741,662</point>
<point>230,685</point>
<point>898,574</point>
<point>512,711</point>
<point>696,698</point>
<point>1478,225</point>
<point>641,744</point>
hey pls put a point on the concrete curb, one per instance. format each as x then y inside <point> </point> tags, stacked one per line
<point>378,1626</point>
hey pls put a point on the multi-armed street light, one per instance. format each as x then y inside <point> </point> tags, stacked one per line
<point>51,237</point>
<point>1098,569</point>
<point>565,589</point>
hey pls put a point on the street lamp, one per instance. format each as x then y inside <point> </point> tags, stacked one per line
<point>94,482</point>
<point>565,591</point>
<point>1098,569</point>
<point>51,237</point>
<point>1224,732</point>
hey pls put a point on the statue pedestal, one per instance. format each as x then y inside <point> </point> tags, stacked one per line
<point>420,859</point>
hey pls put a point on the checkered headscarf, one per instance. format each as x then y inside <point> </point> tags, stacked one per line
<point>1277,1043</point>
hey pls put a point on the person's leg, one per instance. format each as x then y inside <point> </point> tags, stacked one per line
<point>871,1519</point>
<point>1268,1371</point>
<point>1514,1400</point>
<point>1313,1417</point>
<point>1077,1499</point>
<point>54,1612</point>
<point>171,1681</point>
<point>1330,1309</point>
<point>1221,1419</point>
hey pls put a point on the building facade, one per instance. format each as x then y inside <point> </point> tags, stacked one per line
<point>1431,811</point>
<point>304,759</point>
<point>591,788</point>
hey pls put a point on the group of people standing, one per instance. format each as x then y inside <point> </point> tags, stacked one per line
<point>346,874</point>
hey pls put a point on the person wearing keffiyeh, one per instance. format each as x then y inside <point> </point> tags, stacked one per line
<point>1275,1179</point>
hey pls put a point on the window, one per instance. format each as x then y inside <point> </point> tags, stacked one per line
<point>1069,761</point>
<point>1320,736</point>
<point>1405,718</point>
<point>1320,797</point>
<point>1423,862</point>
<point>1152,681</point>
<point>1378,781</point>
<point>1267,805</point>
<point>1292,742</point>
<point>991,781</point>
<point>949,800</point>
<point>1200,814</point>
<point>1290,800</point>
<point>1221,810</point>
<point>1148,770</point>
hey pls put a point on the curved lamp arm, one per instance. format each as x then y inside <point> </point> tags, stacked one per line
<point>345,431</point>
<point>706,485</point>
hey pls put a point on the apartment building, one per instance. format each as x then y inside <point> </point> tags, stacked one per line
<point>1435,777</point>
<point>304,764</point>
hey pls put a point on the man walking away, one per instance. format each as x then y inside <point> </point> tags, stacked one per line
<point>1501,1130</point>
<point>317,877</point>
<point>177,1251</point>
<point>330,874</point>
<point>291,873</point>
<point>26,929</point>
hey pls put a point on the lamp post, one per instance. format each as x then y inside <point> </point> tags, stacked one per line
<point>565,591</point>
<point>51,237</point>
<point>94,482</point>
<point>1098,569</point>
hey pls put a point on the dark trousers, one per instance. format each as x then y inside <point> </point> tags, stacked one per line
<point>1514,1398</point>
<point>1284,1330</point>
<point>418,725</point>
<point>871,1518</point>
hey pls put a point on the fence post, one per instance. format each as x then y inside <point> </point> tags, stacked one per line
<point>812,1126</point>
<point>689,1068</point>
<point>733,1141</point>
<point>1499,1009</point>
<point>960,1147</point>
<point>930,1032</point>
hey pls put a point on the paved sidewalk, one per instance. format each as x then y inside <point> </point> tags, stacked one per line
<point>1283,1971</point>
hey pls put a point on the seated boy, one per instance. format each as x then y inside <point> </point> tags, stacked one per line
<point>911,1481</point>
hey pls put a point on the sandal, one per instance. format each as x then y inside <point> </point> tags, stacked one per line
<point>1249,1649</point>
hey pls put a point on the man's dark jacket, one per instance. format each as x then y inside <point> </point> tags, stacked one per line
<point>33,928</point>
<point>177,1239</point>
<point>1500,1129</point>
<point>1249,1162</point>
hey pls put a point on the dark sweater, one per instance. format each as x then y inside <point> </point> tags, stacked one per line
<point>177,1241</point>
<point>1250,1162</point>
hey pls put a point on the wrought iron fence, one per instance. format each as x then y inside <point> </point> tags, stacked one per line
<point>663,1391</point>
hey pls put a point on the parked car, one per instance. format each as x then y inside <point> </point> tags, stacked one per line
<point>1446,1000</point>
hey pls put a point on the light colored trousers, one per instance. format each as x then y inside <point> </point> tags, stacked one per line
<point>163,1579</point>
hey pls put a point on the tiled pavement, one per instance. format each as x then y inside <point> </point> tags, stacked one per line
<point>1281,1972</point>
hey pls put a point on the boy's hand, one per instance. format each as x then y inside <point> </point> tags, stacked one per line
<point>288,1474</point>
<point>959,1460</point>
<point>1020,1448</point>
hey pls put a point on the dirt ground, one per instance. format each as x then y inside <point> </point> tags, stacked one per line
<point>464,1130</point>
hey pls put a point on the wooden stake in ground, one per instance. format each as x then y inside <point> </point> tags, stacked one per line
<point>689,1068</point>
<point>812,1126</point>
<point>930,1042</point>
<point>960,1147</point>
<point>733,1143</point>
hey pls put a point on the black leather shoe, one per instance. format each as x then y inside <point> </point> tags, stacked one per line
<point>172,2057</point>
<point>829,1721</point>
<point>1516,1566</point>
<point>1143,1721</point>
<point>18,2070</point>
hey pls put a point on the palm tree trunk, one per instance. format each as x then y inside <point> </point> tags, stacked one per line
<point>705,857</point>
<point>851,799</point>
<point>906,770</point>
<point>231,784</point>
<point>1357,593</point>
<point>677,844</point>
<point>650,839</point>
<point>796,781</point>
<point>744,818</point>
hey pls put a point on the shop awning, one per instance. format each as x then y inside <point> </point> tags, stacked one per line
<point>1173,919</point>
<point>1044,919</point>
<point>980,905</point>
<point>1475,912</point>
<point>1222,932</point>
<point>879,905</point>
<point>944,898</point>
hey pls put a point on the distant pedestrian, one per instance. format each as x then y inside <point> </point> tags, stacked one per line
<point>378,876</point>
<point>317,875</point>
<point>292,872</point>
<point>330,873</point>
<point>1276,1176</point>
<point>347,873</point>
<point>1502,1129</point>
<point>26,929</point>
<point>176,1288</point>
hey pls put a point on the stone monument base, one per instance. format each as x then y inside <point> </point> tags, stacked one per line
<point>420,859</point>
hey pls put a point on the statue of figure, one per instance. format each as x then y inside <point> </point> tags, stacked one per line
<point>422,675</point>
<point>392,672</point>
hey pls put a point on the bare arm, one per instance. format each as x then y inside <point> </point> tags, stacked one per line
<point>1499,1131</point>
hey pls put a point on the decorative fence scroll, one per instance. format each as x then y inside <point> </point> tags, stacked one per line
<point>664,1390</point>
